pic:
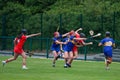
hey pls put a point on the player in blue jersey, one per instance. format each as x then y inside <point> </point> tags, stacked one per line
<point>68,54</point>
<point>108,44</point>
<point>56,46</point>
<point>68,47</point>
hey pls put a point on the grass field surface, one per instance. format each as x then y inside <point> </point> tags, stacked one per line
<point>41,69</point>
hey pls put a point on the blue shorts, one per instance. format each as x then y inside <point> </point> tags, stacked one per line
<point>108,52</point>
<point>57,49</point>
<point>66,49</point>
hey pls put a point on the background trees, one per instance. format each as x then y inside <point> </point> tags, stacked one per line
<point>47,15</point>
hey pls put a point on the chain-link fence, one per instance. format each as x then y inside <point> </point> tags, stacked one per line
<point>47,24</point>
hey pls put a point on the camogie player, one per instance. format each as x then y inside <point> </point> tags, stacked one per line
<point>108,43</point>
<point>68,53</point>
<point>18,47</point>
<point>79,42</point>
<point>56,46</point>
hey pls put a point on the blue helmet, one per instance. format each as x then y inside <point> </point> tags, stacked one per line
<point>24,31</point>
<point>107,33</point>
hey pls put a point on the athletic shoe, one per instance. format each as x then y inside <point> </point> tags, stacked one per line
<point>68,65</point>
<point>107,68</point>
<point>65,66</point>
<point>105,61</point>
<point>3,62</point>
<point>24,67</point>
<point>53,65</point>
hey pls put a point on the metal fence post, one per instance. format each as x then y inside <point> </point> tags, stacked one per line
<point>61,24</point>
<point>102,23</point>
<point>30,45</point>
<point>85,53</point>
<point>41,30</point>
<point>47,56</point>
<point>81,20</point>
<point>12,46</point>
<point>113,28</point>
<point>3,31</point>
<point>22,21</point>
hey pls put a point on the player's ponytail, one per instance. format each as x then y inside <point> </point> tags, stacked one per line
<point>19,36</point>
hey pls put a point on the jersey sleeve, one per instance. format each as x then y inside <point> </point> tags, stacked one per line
<point>60,37</point>
<point>64,40</point>
<point>54,39</point>
<point>71,37</point>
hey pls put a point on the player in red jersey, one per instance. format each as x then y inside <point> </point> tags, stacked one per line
<point>79,43</point>
<point>18,47</point>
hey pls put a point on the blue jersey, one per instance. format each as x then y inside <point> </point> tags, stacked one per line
<point>69,46</point>
<point>55,46</point>
<point>107,42</point>
<point>64,45</point>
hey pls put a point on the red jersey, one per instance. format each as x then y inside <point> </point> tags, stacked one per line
<point>75,48</point>
<point>20,42</point>
<point>78,36</point>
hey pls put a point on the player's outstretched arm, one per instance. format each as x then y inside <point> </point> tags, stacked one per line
<point>100,44</point>
<point>59,42</point>
<point>33,35</point>
<point>78,30</point>
<point>114,45</point>
<point>89,43</point>
<point>79,45</point>
<point>84,44</point>
<point>65,34</point>
<point>80,38</point>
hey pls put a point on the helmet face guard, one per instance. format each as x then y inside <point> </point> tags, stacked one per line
<point>24,31</point>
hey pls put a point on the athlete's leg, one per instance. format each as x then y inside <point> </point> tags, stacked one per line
<point>66,56</point>
<point>24,57</point>
<point>108,55</point>
<point>70,59</point>
<point>55,57</point>
<point>75,55</point>
<point>10,59</point>
<point>13,58</point>
<point>75,51</point>
<point>108,62</point>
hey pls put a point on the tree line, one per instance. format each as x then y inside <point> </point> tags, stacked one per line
<point>47,15</point>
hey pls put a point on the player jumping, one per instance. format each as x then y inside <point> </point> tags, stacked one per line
<point>108,43</point>
<point>18,47</point>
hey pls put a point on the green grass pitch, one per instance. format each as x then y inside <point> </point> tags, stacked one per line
<point>41,69</point>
